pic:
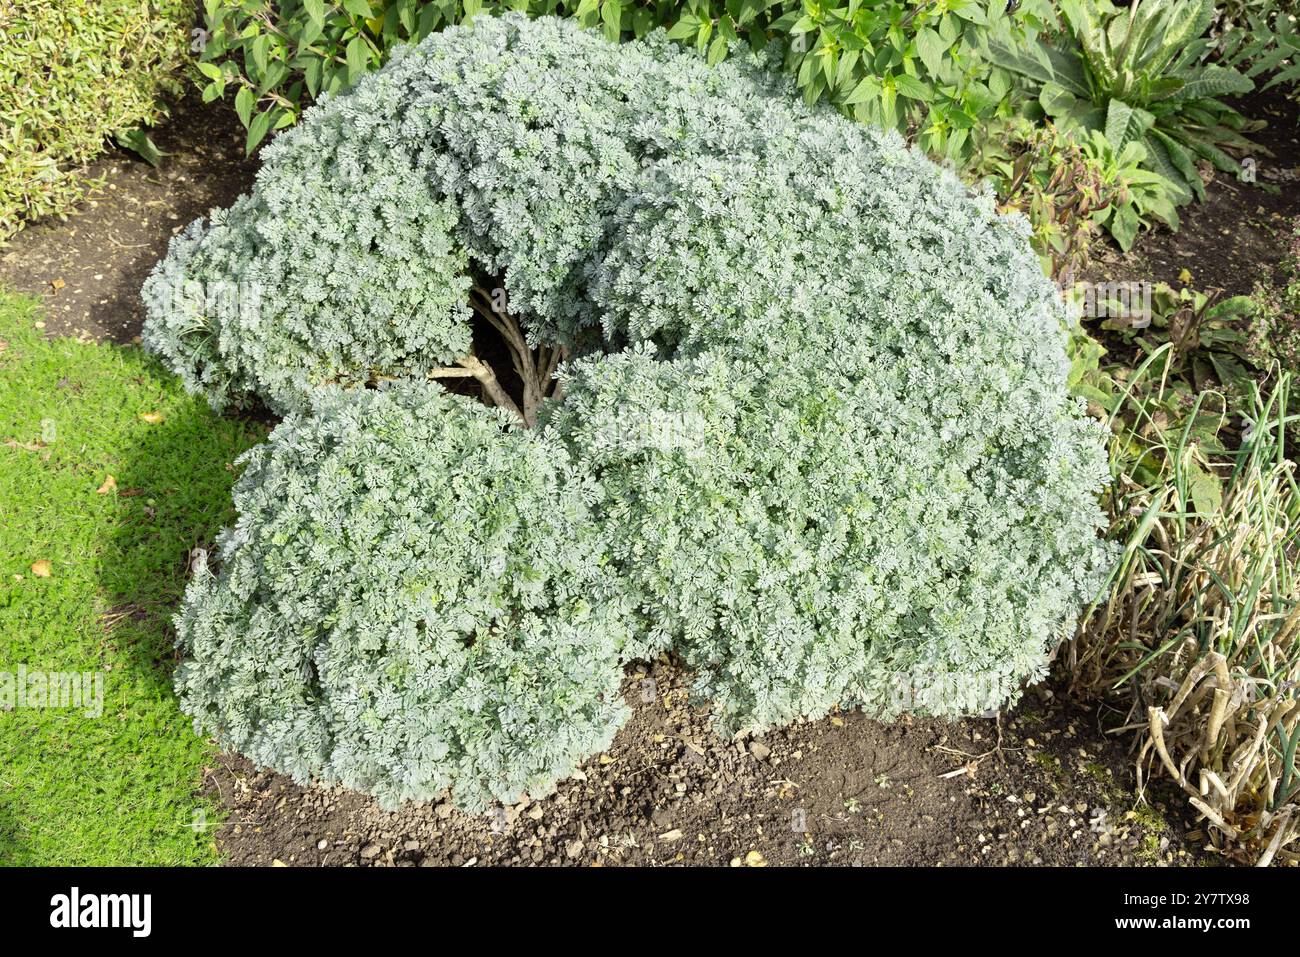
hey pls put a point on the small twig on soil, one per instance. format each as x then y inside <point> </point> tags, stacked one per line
<point>973,761</point>
<point>127,245</point>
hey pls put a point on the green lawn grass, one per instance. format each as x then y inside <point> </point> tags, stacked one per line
<point>117,788</point>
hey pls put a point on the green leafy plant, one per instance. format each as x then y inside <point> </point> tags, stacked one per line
<point>1141,196</point>
<point>814,434</point>
<point>1264,42</point>
<point>1231,13</point>
<point>77,74</point>
<point>276,58</point>
<point>916,67</point>
<point>1047,176</point>
<point>1144,399</point>
<point>1071,189</point>
<point>1140,75</point>
<point>1186,361</point>
<point>1209,344</point>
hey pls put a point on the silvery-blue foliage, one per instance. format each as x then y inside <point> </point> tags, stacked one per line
<point>818,438</point>
<point>341,265</point>
<point>847,470</point>
<point>412,599</point>
<point>509,143</point>
<point>807,535</point>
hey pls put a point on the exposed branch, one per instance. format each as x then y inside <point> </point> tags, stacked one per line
<point>476,367</point>
<point>535,368</point>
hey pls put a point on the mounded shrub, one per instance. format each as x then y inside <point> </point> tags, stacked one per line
<point>340,265</point>
<point>508,144</point>
<point>412,599</point>
<point>815,433</point>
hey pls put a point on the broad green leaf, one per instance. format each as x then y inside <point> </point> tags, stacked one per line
<point>1056,100</point>
<point>244,103</point>
<point>1213,81</point>
<point>1230,308</point>
<point>258,51</point>
<point>1204,490</point>
<point>1125,123</point>
<point>1171,161</point>
<point>312,77</point>
<point>717,49</point>
<point>357,59</point>
<point>257,131</point>
<point>969,10</point>
<point>1124,227</point>
<point>612,13</point>
<point>138,142</point>
<point>867,89</point>
<point>931,49</point>
<point>912,88</point>
<point>684,28</point>
<point>311,32</point>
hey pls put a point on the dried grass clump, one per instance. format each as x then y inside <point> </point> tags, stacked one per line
<point>1201,622</point>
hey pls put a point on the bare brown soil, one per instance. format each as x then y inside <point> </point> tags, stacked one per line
<point>842,791</point>
<point>89,267</point>
<point>1238,234</point>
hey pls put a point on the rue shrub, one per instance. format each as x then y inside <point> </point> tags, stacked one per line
<point>411,600</point>
<point>815,434</point>
<point>348,260</point>
<point>904,484</point>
